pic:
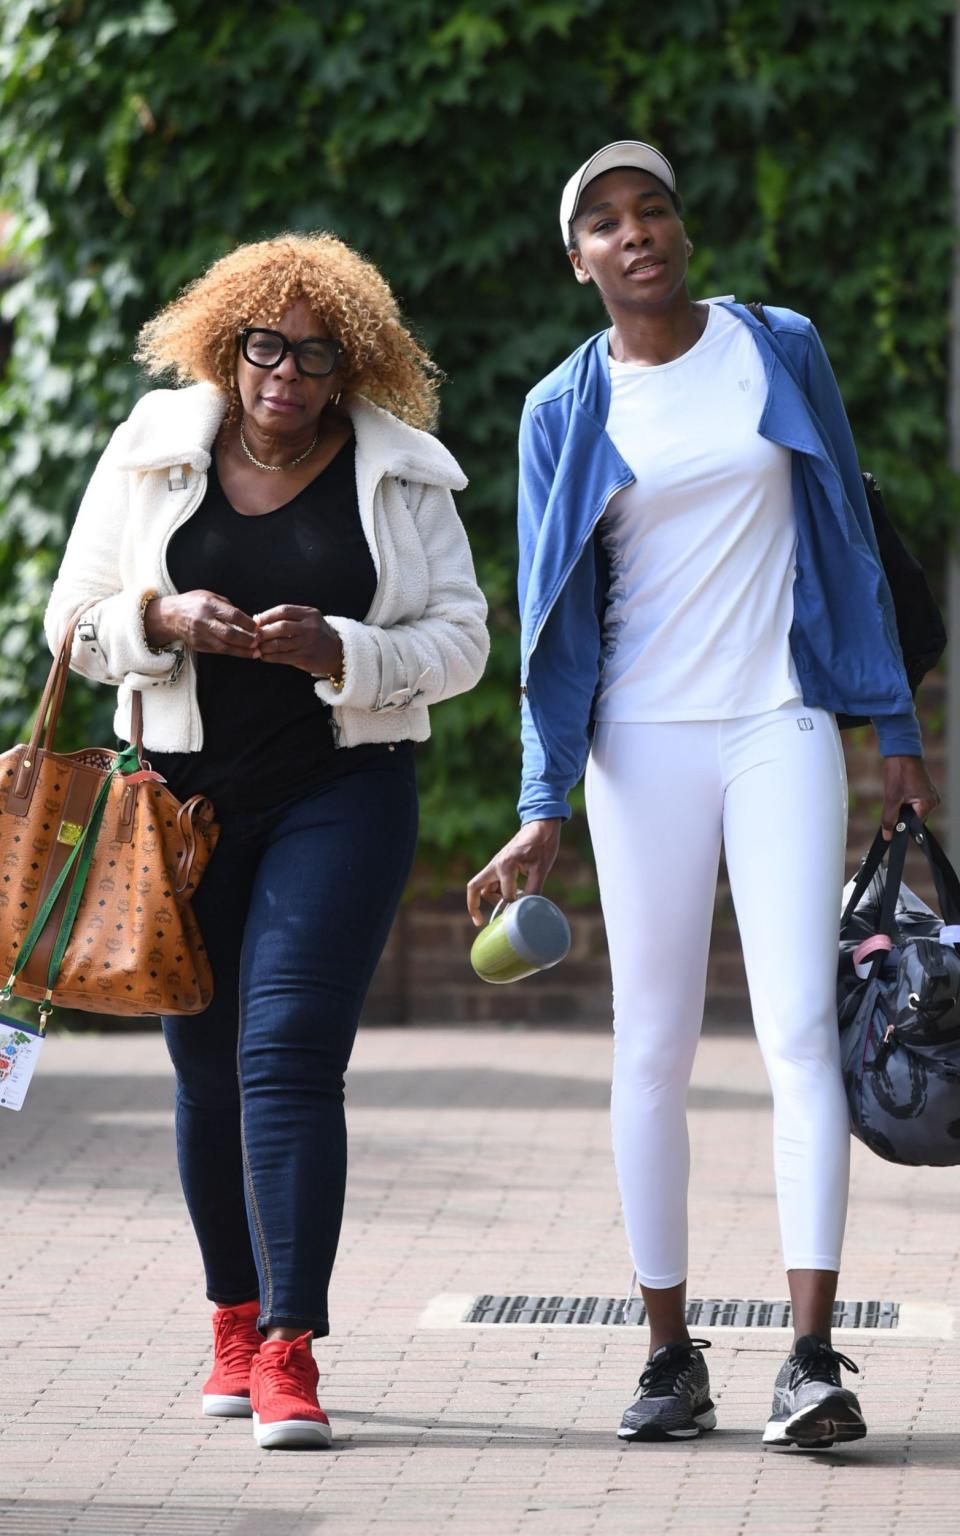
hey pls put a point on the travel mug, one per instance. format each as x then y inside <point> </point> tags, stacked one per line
<point>522,936</point>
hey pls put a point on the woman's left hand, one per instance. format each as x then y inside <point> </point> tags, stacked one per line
<point>299,637</point>
<point>906,782</point>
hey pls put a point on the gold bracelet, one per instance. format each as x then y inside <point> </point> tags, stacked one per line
<point>337,682</point>
<point>145,601</point>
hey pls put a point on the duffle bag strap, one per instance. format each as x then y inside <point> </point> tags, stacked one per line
<point>944,875</point>
<point>876,854</point>
<point>880,941</point>
<point>896,858</point>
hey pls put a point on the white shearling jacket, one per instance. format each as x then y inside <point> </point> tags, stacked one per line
<point>424,638</point>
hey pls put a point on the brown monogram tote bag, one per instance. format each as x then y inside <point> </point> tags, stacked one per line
<point>98,862</point>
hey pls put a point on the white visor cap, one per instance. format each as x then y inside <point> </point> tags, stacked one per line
<point>613,157</point>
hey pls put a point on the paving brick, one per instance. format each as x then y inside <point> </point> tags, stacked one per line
<point>480,1162</point>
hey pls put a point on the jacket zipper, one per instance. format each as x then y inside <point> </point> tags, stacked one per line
<point>196,724</point>
<point>336,713</point>
<point>566,577</point>
<point>371,611</point>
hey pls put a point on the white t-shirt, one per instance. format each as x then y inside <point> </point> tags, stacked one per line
<point>702,545</point>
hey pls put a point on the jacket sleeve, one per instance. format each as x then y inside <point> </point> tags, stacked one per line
<point>434,657</point>
<point>110,646</point>
<point>536,476</point>
<point>897,734</point>
<point>551,766</point>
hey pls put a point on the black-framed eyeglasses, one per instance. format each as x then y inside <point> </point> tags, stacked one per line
<point>315,356</point>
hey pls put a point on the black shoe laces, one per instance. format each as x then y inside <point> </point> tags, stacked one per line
<point>668,1364</point>
<point>821,1364</point>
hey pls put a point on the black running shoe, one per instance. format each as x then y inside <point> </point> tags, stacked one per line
<point>810,1407</point>
<point>674,1401</point>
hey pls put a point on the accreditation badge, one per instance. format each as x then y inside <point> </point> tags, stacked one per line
<point>19,1052</point>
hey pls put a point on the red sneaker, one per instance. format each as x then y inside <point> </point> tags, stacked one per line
<point>283,1391</point>
<point>235,1343</point>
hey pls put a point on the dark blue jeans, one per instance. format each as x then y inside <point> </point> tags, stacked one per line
<point>295,909</point>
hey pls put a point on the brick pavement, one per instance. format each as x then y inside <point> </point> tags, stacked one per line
<point>479,1163</point>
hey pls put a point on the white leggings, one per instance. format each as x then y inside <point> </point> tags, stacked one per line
<point>660,797</point>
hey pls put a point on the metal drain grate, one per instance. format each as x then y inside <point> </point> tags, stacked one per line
<point>709,1313</point>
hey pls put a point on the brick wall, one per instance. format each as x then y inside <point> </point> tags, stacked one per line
<point>425,974</point>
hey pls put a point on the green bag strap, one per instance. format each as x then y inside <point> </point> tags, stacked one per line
<point>77,865</point>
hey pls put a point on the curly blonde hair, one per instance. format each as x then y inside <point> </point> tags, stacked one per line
<point>195,337</point>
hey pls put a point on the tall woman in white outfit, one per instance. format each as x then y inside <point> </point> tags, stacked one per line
<point>701,737</point>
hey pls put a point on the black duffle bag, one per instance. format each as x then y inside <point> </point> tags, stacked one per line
<point>899,1004</point>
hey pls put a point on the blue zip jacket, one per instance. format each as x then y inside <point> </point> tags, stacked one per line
<point>843,638</point>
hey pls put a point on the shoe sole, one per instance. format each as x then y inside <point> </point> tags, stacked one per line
<point>220,1406</point>
<point>699,1424</point>
<point>292,1435</point>
<point>818,1426</point>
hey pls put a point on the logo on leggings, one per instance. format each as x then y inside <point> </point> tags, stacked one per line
<point>805,723</point>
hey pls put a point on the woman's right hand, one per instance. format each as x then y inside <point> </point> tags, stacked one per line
<point>532,852</point>
<point>204,621</point>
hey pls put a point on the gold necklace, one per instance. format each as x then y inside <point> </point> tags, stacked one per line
<point>278,468</point>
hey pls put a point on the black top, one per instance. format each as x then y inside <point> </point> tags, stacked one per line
<point>266,735</point>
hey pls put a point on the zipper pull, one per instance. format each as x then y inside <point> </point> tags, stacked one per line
<point>886,1045</point>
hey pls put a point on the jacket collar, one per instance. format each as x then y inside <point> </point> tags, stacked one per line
<point>178,426</point>
<point>402,450</point>
<point>787,417</point>
<point>171,426</point>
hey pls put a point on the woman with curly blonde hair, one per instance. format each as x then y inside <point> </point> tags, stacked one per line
<point>269,556</point>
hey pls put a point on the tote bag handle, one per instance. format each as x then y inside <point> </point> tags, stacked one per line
<point>48,714</point>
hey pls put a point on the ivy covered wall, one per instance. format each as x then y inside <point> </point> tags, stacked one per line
<point>139,139</point>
